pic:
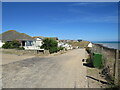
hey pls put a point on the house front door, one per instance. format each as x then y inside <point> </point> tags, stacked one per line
<point>23,43</point>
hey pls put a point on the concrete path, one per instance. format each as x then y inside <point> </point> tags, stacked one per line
<point>62,71</point>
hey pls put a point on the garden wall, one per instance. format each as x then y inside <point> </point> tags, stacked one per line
<point>109,57</point>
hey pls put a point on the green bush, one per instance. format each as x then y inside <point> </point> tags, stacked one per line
<point>53,50</point>
<point>7,45</point>
<point>11,45</point>
<point>50,44</point>
<point>15,44</point>
<point>60,48</point>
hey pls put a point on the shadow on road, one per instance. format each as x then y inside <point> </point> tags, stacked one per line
<point>88,65</point>
<point>103,82</point>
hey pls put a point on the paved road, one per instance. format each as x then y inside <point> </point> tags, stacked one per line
<point>62,71</point>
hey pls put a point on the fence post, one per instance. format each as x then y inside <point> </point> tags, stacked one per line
<point>116,67</point>
<point>103,57</point>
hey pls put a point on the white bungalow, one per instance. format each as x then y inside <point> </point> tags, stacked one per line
<point>28,42</point>
<point>34,45</point>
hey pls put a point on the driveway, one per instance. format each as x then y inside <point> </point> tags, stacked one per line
<point>61,71</point>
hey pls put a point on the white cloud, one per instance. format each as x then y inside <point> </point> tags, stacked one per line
<point>105,19</point>
<point>97,19</point>
<point>81,4</point>
<point>93,4</point>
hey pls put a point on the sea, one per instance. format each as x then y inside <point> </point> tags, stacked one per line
<point>109,44</point>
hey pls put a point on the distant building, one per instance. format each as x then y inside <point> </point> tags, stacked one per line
<point>1,43</point>
<point>90,45</point>
<point>65,45</point>
<point>79,40</point>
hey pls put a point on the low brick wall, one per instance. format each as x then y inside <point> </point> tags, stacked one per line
<point>25,52</point>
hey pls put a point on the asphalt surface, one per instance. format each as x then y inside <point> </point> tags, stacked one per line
<point>61,71</point>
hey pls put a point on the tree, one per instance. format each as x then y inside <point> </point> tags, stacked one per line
<point>50,44</point>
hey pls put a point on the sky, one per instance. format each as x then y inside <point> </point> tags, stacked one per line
<point>91,21</point>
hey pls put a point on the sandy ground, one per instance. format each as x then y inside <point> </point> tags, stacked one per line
<point>9,58</point>
<point>61,71</point>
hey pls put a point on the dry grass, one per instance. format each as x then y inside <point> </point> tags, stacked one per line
<point>95,73</point>
<point>80,44</point>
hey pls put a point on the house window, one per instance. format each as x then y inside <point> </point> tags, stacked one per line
<point>29,43</point>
